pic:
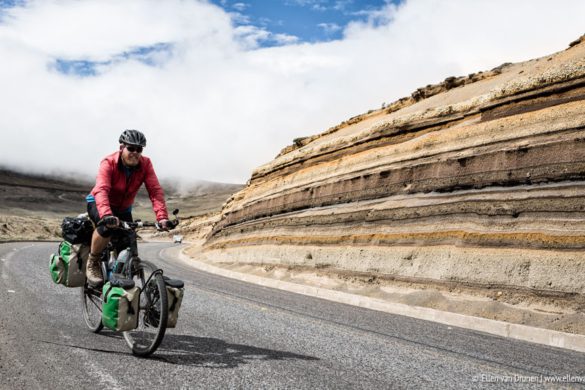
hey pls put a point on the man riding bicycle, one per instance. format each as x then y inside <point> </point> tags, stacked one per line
<point>119,177</point>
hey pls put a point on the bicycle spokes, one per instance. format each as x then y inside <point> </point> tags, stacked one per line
<point>152,313</point>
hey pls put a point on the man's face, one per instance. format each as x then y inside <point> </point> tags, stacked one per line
<point>131,155</point>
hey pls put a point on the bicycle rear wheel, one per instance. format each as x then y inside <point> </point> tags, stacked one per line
<point>152,319</point>
<point>91,299</point>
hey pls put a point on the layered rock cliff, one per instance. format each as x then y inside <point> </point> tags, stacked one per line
<point>479,180</point>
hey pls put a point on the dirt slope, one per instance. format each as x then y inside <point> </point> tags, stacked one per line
<point>476,183</point>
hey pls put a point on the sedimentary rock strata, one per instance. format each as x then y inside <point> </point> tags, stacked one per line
<point>478,180</point>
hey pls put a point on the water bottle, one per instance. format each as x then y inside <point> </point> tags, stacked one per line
<point>111,263</point>
<point>123,258</point>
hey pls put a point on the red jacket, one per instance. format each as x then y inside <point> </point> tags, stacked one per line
<point>113,191</point>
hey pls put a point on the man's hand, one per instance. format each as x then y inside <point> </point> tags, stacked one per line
<point>110,221</point>
<point>165,224</point>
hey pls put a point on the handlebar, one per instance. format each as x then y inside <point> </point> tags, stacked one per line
<point>138,224</point>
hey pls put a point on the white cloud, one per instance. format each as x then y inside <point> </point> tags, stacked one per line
<point>213,108</point>
<point>307,3</point>
<point>251,36</point>
<point>321,5</point>
<point>285,39</point>
<point>329,28</point>
<point>240,6</point>
<point>341,5</point>
<point>98,29</point>
<point>239,18</point>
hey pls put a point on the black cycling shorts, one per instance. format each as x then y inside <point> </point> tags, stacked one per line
<point>94,215</point>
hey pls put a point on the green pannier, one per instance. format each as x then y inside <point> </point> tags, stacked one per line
<point>68,266</point>
<point>175,292</point>
<point>120,307</point>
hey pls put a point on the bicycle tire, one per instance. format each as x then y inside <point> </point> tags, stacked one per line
<point>153,311</point>
<point>92,308</point>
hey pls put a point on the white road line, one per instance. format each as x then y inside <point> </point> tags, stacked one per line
<point>102,375</point>
<point>11,291</point>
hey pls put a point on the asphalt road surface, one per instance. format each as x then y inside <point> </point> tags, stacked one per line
<point>237,335</point>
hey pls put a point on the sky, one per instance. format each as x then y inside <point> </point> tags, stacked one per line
<point>295,21</point>
<point>220,87</point>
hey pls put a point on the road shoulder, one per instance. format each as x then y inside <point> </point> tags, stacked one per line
<point>325,288</point>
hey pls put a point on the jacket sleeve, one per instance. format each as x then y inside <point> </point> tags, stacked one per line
<point>102,188</point>
<point>155,192</point>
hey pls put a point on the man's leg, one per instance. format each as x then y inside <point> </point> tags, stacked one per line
<point>98,243</point>
<point>94,269</point>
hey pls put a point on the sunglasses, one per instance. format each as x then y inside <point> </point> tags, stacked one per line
<point>134,149</point>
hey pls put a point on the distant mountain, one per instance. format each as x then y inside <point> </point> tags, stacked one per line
<point>58,195</point>
<point>69,183</point>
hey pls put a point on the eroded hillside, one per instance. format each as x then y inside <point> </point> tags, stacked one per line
<point>478,181</point>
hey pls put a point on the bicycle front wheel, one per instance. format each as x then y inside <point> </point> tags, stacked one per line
<point>152,319</point>
<point>91,299</point>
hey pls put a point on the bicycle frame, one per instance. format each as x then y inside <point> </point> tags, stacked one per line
<point>128,270</point>
<point>146,338</point>
<point>128,233</point>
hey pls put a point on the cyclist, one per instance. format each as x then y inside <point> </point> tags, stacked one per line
<point>119,177</point>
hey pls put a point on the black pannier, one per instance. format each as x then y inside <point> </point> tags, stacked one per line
<point>77,230</point>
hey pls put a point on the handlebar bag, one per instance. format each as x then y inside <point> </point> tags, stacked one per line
<point>67,267</point>
<point>174,298</point>
<point>77,230</point>
<point>120,307</point>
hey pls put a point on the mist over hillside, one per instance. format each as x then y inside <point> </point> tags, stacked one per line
<point>57,194</point>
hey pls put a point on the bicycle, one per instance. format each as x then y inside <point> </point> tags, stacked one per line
<point>128,270</point>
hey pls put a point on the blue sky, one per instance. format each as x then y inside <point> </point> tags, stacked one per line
<point>307,20</point>
<point>5,4</point>
<point>10,3</point>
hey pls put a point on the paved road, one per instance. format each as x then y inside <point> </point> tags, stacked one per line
<point>236,335</point>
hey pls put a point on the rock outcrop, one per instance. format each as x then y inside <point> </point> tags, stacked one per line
<point>477,181</point>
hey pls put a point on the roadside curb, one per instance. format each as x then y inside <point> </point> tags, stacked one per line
<point>548,337</point>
